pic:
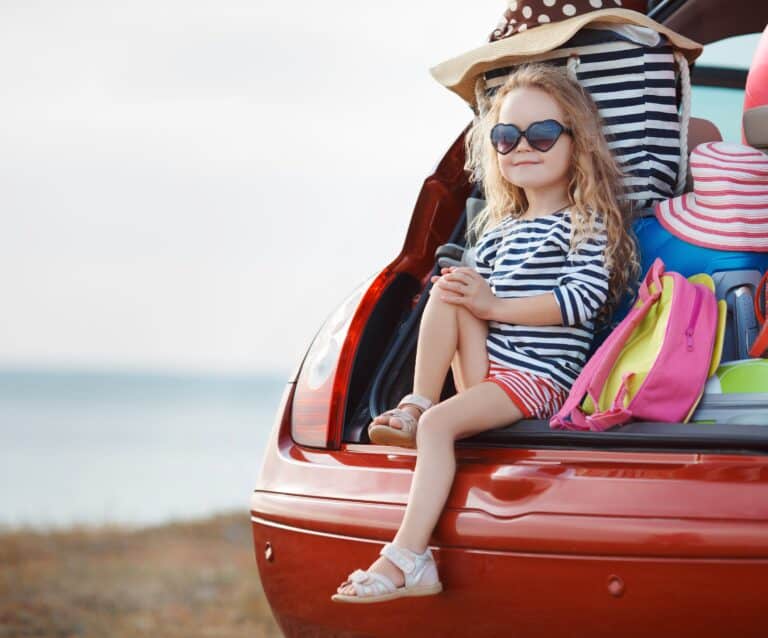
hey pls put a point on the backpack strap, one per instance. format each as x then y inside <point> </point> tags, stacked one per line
<point>617,414</point>
<point>653,276</point>
<point>616,345</point>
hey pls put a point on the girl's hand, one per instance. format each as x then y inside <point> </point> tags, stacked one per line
<point>465,287</point>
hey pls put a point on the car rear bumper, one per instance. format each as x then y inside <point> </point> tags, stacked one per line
<point>699,584</point>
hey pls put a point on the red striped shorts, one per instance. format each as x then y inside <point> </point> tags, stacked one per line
<point>536,396</point>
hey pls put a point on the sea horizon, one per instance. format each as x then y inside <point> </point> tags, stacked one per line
<point>94,446</point>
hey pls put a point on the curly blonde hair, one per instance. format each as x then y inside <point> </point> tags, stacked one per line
<point>595,183</point>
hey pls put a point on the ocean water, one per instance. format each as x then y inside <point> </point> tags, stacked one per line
<point>125,448</point>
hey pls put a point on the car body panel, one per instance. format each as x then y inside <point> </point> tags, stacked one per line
<point>512,593</point>
<point>535,532</point>
<point>644,543</point>
<point>509,483</point>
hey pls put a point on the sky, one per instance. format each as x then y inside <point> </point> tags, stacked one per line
<point>197,185</point>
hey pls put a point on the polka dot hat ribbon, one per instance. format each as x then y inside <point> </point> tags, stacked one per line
<point>522,15</point>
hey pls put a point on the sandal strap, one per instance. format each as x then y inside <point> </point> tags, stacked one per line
<point>406,418</point>
<point>423,403</point>
<point>357,576</point>
<point>406,560</point>
<point>368,582</point>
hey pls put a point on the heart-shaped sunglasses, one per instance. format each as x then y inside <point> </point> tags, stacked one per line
<point>540,135</point>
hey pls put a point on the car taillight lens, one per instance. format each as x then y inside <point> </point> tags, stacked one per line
<point>321,388</point>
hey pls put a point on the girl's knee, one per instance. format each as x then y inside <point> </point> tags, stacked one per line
<point>434,301</point>
<point>431,427</point>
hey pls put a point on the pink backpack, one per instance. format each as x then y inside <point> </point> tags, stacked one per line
<point>654,364</point>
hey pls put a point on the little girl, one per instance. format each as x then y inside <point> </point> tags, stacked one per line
<point>554,256</point>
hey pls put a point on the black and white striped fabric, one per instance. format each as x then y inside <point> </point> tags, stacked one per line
<point>630,74</point>
<point>522,258</point>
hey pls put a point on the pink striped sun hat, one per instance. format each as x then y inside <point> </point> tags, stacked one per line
<point>728,208</point>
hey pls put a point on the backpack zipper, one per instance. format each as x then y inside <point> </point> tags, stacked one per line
<point>694,317</point>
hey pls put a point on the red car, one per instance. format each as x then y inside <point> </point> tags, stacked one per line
<point>650,529</point>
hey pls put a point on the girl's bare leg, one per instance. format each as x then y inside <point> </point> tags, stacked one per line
<point>482,407</point>
<point>470,363</point>
<point>447,330</point>
<point>449,336</point>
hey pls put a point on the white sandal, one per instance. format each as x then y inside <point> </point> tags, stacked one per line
<point>420,573</point>
<point>385,434</point>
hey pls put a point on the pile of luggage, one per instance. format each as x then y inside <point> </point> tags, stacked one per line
<point>689,347</point>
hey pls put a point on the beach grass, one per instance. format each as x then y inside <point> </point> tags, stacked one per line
<point>185,579</point>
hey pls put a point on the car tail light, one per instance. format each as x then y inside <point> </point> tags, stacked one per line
<point>321,388</point>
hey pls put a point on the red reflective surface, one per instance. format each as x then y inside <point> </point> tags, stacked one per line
<point>513,593</point>
<point>531,542</point>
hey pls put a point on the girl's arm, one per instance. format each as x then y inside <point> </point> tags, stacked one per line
<point>581,290</point>
<point>464,286</point>
<point>537,310</point>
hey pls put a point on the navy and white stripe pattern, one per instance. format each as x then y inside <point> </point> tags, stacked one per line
<point>522,258</point>
<point>630,74</point>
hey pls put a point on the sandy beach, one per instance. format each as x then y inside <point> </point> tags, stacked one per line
<point>185,579</point>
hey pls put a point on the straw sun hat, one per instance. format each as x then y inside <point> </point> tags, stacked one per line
<point>728,208</point>
<point>530,28</point>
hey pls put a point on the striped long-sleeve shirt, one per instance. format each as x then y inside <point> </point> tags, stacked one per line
<point>522,258</point>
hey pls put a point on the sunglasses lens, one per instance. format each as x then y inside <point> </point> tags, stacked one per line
<point>505,137</point>
<point>543,135</point>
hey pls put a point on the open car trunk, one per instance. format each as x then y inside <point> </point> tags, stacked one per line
<point>384,364</point>
<point>383,373</point>
<point>393,378</point>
